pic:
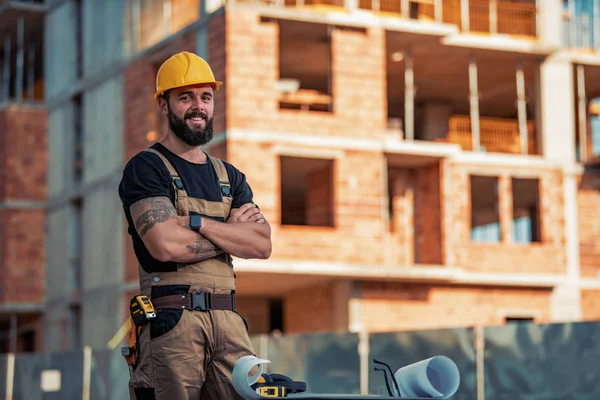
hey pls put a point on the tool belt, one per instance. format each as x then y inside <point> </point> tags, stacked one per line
<point>197,301</point>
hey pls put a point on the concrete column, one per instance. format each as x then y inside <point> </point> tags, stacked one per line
<point>405,8</point>
<point>557,110</point>
<point>558,116</point>
<point>505,199</point>
<point>550,22</point>
<point>167,17</point>
<point>582,114</point>
<point>493,17</point>
<point>464,15</point>
<point>522,112</point>
<point>409,97</point>
<point>351,5</point>
<point>439,10</point>
<point>136,12</point>
<point>474,100</point>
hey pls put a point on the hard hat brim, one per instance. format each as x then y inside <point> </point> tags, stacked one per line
<point>215,84</point>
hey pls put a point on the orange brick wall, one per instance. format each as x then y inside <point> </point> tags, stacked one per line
<point>590,304</point>
<point>589,224</point>
<point>255,311</point>
<point>359,94</point>
<point>309,310</point>
<point>23,168</point>
<point>23,145</point>
<point>217,61</point>
<point>358,200</point>
<point>22,260</point>
<point>402,306</point>
<point>545,257</point>
<point>428,224</point>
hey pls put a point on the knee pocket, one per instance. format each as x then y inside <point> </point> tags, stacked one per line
<point>166,320</point>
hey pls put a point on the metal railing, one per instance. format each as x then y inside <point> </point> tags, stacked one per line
<point>518,19</point>
<point>484,16</point>
<point>496,135</point>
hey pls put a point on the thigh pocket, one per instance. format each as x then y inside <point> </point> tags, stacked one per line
<point>166,321</point>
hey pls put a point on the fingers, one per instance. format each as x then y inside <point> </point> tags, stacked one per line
<point>258,217</point>
<point>247,213</point>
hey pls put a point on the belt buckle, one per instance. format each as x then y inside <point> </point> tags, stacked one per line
<point>201,301</point>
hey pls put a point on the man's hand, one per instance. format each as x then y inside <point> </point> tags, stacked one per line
<point>246,213</point>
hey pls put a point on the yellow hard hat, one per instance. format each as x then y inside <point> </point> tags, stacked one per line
<point>184,69</point>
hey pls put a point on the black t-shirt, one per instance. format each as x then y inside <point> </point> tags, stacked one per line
<point>145,175</point>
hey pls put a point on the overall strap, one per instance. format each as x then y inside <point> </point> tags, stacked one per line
<point>223,183</point>
<point>177,182</point>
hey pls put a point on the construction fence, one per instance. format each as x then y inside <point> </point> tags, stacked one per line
<point>514,361</point>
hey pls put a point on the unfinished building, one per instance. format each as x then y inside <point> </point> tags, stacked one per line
<point>423,164</point>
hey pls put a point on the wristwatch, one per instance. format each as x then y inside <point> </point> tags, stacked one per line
<point>195,222</point>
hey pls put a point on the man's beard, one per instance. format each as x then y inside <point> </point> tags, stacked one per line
<point>192,137</point>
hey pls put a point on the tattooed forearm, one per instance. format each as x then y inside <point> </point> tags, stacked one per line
<point>204,249</point>
<point>155,211</point>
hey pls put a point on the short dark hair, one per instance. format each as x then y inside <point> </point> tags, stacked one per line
<point>165,95</point>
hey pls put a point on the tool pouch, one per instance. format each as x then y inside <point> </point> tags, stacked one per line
<point>141,311</point>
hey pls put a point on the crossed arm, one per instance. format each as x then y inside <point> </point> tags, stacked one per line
<point>168,236</point>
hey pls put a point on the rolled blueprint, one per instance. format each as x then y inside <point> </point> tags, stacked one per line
<point>241,380</point>
<point>434,378</point>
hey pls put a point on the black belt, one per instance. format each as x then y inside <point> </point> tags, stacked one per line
<point>198,301</point>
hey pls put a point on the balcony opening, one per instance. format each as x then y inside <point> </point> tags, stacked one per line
<point>526,210</point>
<point>306,191</point>
<point>305,67</point>
<point>485,214</point>
<point>21,56</point>
<point>443,100</point>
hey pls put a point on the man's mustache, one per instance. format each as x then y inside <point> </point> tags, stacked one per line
<point>195,114</point>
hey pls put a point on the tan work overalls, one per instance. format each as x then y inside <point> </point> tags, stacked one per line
<point>194,360</point>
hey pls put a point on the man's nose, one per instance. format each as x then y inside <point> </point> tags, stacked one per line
<point>198,105</point>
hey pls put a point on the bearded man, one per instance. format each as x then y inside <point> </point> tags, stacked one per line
<point>188,213</point>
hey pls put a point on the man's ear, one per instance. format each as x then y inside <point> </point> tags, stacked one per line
<point>162,104</point>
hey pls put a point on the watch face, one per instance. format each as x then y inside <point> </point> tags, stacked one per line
<point>195,221</point>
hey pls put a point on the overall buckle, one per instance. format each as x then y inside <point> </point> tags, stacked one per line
<point>201,301</point>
